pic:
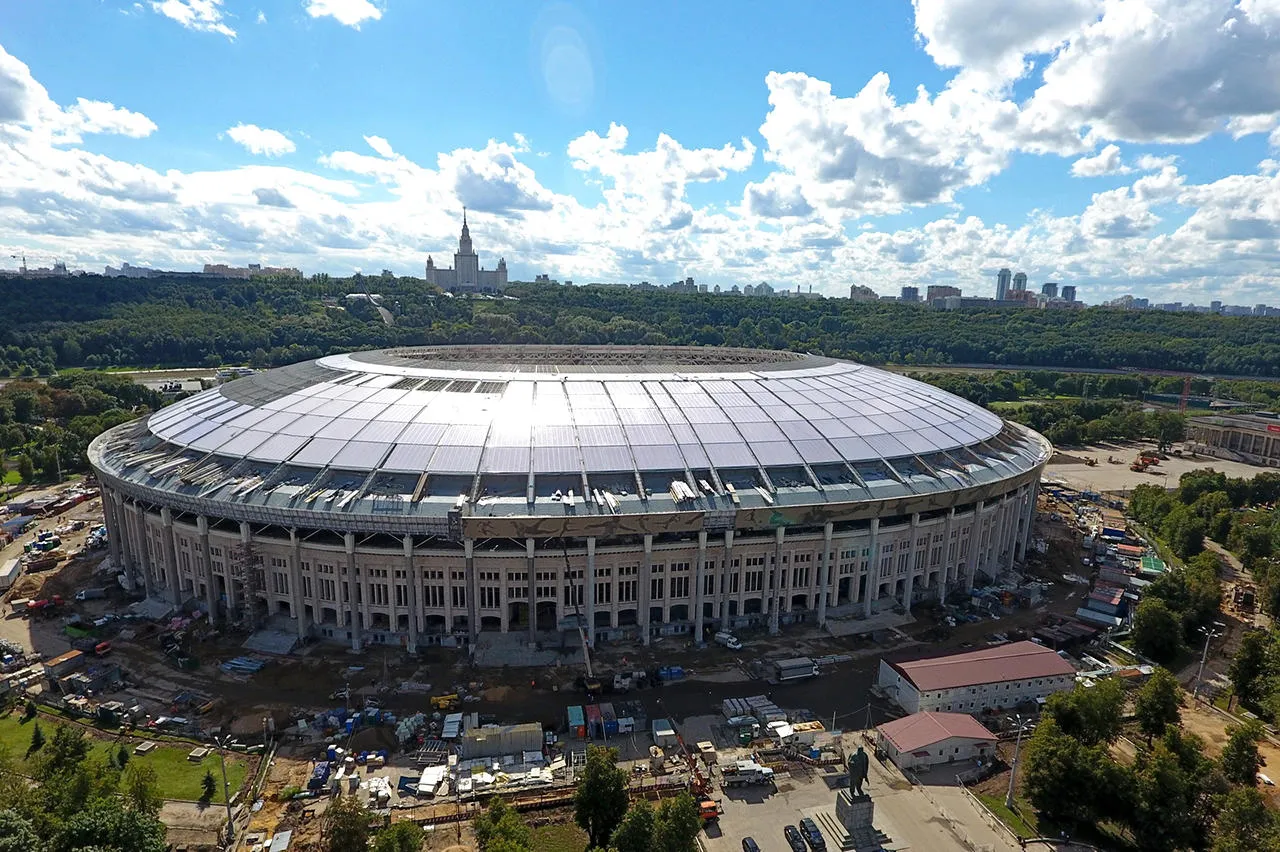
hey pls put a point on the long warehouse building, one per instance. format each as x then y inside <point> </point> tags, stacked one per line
<point>405,496</point>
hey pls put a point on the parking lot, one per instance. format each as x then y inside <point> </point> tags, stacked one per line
<point>936,819</point>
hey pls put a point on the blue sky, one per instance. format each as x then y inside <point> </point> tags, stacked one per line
<point>877,143</point>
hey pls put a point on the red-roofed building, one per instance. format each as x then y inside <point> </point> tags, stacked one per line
<point>926,739</point>
<point>1002,677</point>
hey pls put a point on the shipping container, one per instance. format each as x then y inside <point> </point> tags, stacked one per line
<point>10,573</point>
<point>795,669</point>
<point>577,723</point>
<point>609,719</point>
<point>595,723</point>
<point>500,740</point>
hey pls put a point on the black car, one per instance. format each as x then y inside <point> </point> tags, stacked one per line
<point>809,829</point>
<point>749,845</point>
<point>794,839</point>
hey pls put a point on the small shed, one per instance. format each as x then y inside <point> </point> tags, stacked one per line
<point>663,733</point>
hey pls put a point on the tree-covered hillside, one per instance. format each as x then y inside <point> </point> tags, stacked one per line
<point>96,322</point>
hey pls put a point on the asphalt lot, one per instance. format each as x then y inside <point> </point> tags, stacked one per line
<point>933,819</point>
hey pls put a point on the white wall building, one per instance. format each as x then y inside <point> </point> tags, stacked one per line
<point>927,739</point>
<point>990,678</point>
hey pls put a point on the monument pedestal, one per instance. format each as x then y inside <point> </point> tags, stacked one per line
<point>856,815</point>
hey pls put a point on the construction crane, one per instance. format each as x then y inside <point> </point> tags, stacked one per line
<point>1186,392</point>
<point>590,683</point>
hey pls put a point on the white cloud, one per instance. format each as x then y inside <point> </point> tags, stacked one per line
<point>199,15</point>
<point>1153,163</point>
<point>350,13</point>
<point>1162,71</point>
<point>1105,162</point>
<point>262,17</point>
<point>994,37</point>
<point>101,117</point>
<point>261,140</point>
<point>869,155</point>
<point>382,146</point>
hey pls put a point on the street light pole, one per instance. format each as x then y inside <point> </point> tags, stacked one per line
<point>1210,633</point>
<point>1013,770</point>
<point>226,787</point>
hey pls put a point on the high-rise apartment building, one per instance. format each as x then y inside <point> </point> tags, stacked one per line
<point>909,294</point>
<point>1049,289</point>
<point>1069,292</point>
<point>1002,284</point>
<point>1020,281</point>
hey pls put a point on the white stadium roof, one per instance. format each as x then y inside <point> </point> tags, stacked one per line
<point>516,424</point>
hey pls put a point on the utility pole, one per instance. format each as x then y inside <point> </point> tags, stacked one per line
<point>1013,770</point>
<point>226,787</point>
<point>1210,633</point>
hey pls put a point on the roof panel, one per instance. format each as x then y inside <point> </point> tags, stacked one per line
<point>730,455</point>
<point>606,459</point>
<point>408,458</point>
<point>318,452</point>
<point>658,457</point>
<point>428,434</point>
<point>505,460</point>
<point>818,452</point>
<point>761,432</point>
<point>556,459</point>
<point>463,436</point>
<point>771,453</point>
<point>277,448</point>
<point>453,458</point>
<point>361,455</point>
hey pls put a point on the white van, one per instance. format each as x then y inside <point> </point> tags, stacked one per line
<point>728,640</point>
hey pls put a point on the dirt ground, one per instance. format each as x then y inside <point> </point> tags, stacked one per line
<point>1069,468</point>
<point>1211,726</point>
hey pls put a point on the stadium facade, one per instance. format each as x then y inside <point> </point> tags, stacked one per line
<point>415,496</point>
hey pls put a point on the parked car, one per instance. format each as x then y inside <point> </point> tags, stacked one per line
<point>794,839</point>
<point>728,640</point>
<point>812,835</point>
<point>749,845</point>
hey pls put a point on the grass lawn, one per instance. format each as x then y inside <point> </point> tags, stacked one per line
<point>559,838</point>
<point>177,777</point>
<point>1023,827</point>
<point>12,477</point>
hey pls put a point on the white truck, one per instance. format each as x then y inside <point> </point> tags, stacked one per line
<point>91,594</point>
<point>746,773</point>
<point>9,573</point>
<point>728,640</point>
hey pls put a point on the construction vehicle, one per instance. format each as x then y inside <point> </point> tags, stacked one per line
<point>746,773</point>
<point>709,810</point>
<point>1091,462</point>
<point>445,702</point>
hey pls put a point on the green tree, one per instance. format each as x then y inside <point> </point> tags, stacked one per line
<point>1091,715</point>
<point>1060,775</point>
<point>37,740</point>
<point>600,801</point>
<point>1163,818</point>
<point>635,832</point>
<point>676,825</point>
<point>1184,531</point>
<point>1249,665</point>
<point>26,469</point>
<point>1240,759</point>
<point>208,787</point>
<point>122,756</point>
<point>1157,632</point>
<point>105,826</point>
<point>17,834</point>
<point>1157,703</point>
<point>499,827</point>
<point>346,826</point>
<point>403,836</point>
<point>1244,823</point>
<point>140,789</point>
<point>63,753</point>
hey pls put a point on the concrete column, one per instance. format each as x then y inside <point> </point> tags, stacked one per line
<point>1029,519</point>
<point>297,600</point>
<point>206,562</point>
<point>589,592</point>
<point>346,600</point>
<point>530,561</point>
<point>947,568</point>
<point>873,568</point>
<point>911,563</point>
<point>411,572</point>
<point>824,574</point>
<point>233,604</point>
<point>111,517</point>
<point>144,546</point>
<point>775,596</point>
<point>699,575</point>
<point>473,590</point>
<point>723,589</point>
<point>646,569</point>
<point>171,578</point>
<point>975,539</point>
<point>128,545</point>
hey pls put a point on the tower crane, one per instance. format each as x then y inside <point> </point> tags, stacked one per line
<point>590,682</point>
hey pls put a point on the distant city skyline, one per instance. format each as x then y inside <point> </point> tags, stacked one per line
<point>878,144</point>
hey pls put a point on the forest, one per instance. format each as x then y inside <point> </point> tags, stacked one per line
<point>94,321</point>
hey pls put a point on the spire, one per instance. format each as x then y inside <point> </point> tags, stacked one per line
<point>464,243</point>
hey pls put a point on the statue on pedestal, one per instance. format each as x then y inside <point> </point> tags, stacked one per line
<point>859,766</point>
